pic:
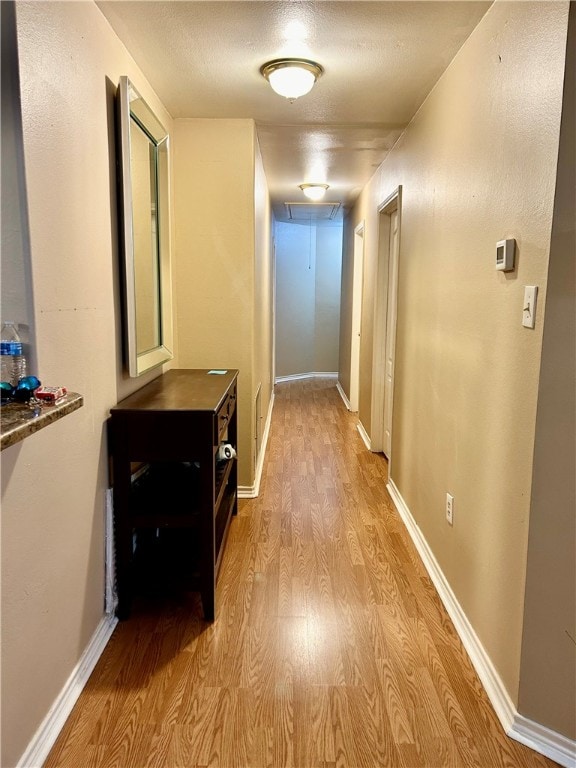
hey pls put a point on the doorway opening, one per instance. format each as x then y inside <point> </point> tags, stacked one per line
<point>385,315</point>
<point>357,283</point>
<point>308,276</point>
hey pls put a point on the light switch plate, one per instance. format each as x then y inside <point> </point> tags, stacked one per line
<point>529,307</point>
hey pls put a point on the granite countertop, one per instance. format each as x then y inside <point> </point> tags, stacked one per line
<point>20,420</point>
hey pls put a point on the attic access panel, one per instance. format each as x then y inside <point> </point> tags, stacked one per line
<point>312,211</point>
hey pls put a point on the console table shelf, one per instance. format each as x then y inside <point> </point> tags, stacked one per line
<point>164,442</point>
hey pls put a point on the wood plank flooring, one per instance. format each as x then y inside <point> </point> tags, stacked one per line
<point>331,648</point>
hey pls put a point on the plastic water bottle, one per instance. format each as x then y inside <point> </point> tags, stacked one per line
<point>12,357</point>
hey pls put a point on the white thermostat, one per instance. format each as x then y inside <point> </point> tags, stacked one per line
<point>505,251</point>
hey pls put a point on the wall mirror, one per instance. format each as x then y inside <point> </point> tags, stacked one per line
<point>145,192</point>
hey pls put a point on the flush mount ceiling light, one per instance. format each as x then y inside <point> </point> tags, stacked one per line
<point>314,191</point>
<point>291,77</point>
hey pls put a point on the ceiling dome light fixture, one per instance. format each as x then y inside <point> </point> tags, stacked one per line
<point>291,77</point>
<point>314,191</point>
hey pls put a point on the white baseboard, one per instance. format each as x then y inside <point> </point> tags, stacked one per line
<point>545,741</point>
<point>343,396</point>
<point>44,738</point>
<point>247,491</point>
<point>537,737</point>
<point>364,435</point>
<point>311,375</point>
<point>252,491</point>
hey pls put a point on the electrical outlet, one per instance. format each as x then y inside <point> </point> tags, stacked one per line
<point>449,508</point>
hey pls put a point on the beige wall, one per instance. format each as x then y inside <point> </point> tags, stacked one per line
<point>548,672</point>
<point>219,310</point>
<point>54,482</point>
<point>327,303</point>
<point>476,164</point>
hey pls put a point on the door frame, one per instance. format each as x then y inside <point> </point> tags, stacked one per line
<point>356,320</point>
<point>390,204</point>
<point>273,277</point>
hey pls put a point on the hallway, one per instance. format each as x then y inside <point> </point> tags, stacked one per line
<point>331,647</point>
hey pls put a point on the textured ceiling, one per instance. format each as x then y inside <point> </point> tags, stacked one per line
<point>381,59</point>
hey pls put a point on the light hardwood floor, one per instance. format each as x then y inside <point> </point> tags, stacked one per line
<point>330,648</point>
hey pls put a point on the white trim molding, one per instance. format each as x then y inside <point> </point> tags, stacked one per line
<point>545,741</point>
<point>46,735</point>
<point>359,426</point>
<point>343,396</point>
<point>248,491</point>
<point>364,435</point>
<point>311,375</point>
<point>537,737</point>
<point>252,491</point>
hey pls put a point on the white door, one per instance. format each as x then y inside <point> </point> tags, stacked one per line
<point>390,332</point>
<point>356,316</point>
<point>385,308</point>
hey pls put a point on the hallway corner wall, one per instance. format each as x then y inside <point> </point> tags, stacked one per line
<point>220,310</point>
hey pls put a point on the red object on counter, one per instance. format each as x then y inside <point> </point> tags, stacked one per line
<point>50,394</point>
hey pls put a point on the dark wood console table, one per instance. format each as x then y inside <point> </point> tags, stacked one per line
<point>166,473</point>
